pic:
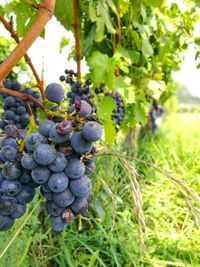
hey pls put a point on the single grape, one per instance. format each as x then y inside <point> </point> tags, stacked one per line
<point>58,224</point>
<point>8,115</point>
<point>11,188</point>
<point>16,86</point>
<point>79,144</point>
<point>62,78</point>
<point>6,222</point>
<point>11,170</point>
<point>28,162</point>
<point>7,205</point>
<point>21,110</point>
<point>64,198</point>
<point>92,131</point>
<point>19,212</point>
<point>54,92</point>
<point>44,154</point>
<point>80,187</point>
<point>7,84</point>
<point>58,182</point>
<point>40,174</point>
<point>75,169</point>
<point>59,164</point>
<point>9,101</point>
<point>24,119</point>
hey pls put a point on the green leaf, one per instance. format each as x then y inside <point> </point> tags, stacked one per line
<point>147,49</point>
<point>100,26</point>
<point>1,10</point>
<point>123,6</point>
<point>103,12</point>
<point>197,2</point>
<point>140,113</point>
<point>63,43</point>
<point>112,6</point>
<point>102,69</point>
<point>109,130</point>
<point>154,3</point>
<point>64,13</point>
<point>105,107</point>
<point>197,41</point>
<point>92,11</point>
<point>137,40</point>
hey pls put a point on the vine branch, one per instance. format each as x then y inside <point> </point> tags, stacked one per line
<point>119,28</point>
<point>77,40</point>
<point>45,12</point>
<point>9,27</point>
<point>23,97</point>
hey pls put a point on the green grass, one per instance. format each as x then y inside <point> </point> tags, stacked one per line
<point>171,239</point>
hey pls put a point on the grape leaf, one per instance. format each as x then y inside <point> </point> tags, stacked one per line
<point>105,107</point>
<point>64,13</point>
<point>147,49</point>
<point>140,113</point>
<point>109,130</point>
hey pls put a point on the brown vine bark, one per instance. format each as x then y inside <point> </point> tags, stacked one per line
<point>46,9</point>
<point>77,40</point>
<point>9,27</point>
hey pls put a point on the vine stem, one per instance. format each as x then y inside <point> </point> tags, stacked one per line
<point>24,97</point>
<point>77,39</point>
<point>46,9</point>
<point>119,28</point>
<point>9,27</point>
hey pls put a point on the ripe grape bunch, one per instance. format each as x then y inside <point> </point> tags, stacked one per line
<point>118,113</point>
<point>58,158</point>
<point>78,90</point>
<point>15,111</point>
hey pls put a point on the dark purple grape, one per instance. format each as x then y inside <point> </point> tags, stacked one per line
<point>54,92</point>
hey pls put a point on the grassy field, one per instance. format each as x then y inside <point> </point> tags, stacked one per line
<point>114,236</point>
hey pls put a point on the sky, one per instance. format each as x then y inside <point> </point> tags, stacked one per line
<point>47,52</point>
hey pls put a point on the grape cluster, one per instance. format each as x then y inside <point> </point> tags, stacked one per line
<point>66,186</point>
<point>155,112</point>
<point>15,111</point>
<point>16,186</point>
<point>58,158</point>
<point>118,113</point>
<point>78,90</point>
